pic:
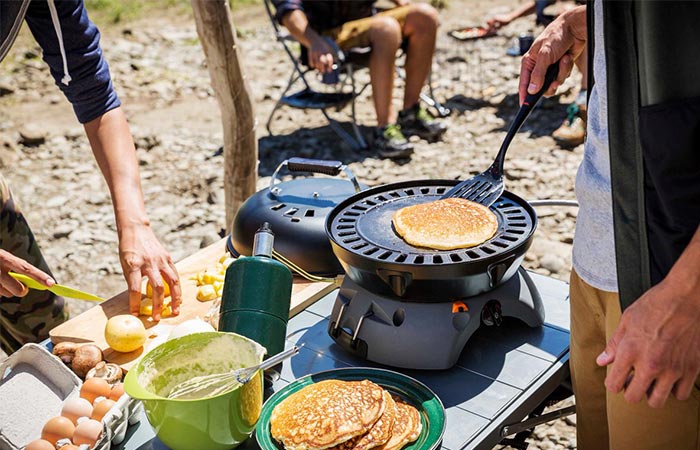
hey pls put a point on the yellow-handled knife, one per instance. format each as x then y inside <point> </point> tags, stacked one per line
<point>57,289</point>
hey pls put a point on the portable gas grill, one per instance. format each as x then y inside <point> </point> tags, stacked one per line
<point>412,307</point>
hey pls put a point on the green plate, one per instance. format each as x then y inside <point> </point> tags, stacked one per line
<point>432,412</point>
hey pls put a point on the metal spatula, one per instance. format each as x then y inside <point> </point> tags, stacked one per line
<point>486,187</point>
<point>217,383</point>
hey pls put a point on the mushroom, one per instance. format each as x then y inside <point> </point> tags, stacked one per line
<point>65,351</point>
<point>109,371</point>
<point>85,358</point>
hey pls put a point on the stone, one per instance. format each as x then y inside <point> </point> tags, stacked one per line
<point>6,89</point>
<point>31,135</point>
<point>552,263</point>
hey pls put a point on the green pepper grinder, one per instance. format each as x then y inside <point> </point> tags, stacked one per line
<point>257,294</point>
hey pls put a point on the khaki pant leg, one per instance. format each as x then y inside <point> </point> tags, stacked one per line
<point>355,33</point>
<point>640,427</point>
<point>587,342</point>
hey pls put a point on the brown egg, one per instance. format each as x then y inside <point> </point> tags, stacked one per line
<point>87,432</point>
<point>57,428</point>
<point>101,409</point>
<point>116,392</point>
<point>75,408</point>
<point>93,388</point>
<point>40,444</point>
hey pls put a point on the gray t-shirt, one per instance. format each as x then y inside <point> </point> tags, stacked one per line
<point>594,245</point>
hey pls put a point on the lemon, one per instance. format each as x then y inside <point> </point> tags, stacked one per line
<point>125,333</point>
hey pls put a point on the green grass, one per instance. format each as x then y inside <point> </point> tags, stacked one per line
<point>121,11</point>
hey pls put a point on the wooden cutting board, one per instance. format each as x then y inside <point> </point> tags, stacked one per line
<point>89,326</point>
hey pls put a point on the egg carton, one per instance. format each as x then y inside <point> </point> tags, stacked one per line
<point>33,386</point>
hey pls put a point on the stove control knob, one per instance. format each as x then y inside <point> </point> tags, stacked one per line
<point>491,314</point>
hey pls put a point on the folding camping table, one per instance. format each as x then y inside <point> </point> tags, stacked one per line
<point>503,375</point>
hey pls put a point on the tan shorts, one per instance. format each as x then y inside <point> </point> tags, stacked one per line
<point>605,420</point>
<point>356,32</point>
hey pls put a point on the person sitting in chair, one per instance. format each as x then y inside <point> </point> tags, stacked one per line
<point>358,24</point>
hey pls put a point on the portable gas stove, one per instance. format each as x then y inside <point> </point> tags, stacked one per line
<point>412,307</point>
<point>426,335</point>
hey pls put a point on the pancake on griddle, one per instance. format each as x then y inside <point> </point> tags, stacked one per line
<point>326,413</point>
<point>380,432</point>
<point>407,426</point>
<point>446,224</point>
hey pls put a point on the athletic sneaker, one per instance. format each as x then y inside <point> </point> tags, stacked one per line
<point>391,143</point>
<point>417,121</point>
<point>573,131</point>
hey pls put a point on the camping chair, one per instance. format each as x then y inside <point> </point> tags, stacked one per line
<point>308,98</point>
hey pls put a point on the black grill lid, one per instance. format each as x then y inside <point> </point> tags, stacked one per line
<point>296,211</point>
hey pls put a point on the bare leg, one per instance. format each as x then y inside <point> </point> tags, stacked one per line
<point>421,30</point>
<point>385,38</point>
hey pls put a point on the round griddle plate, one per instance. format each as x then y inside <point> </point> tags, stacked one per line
<point>362,225</point>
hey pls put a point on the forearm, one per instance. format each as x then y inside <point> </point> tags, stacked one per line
<point>524,10</point>
<point>297,24</point>
<point>686,271</point>
<point>115,153</point>
<point>575,20</point>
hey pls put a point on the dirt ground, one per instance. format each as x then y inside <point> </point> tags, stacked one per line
<point>160,74</point>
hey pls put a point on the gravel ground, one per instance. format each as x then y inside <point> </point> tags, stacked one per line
<point>161,76</point>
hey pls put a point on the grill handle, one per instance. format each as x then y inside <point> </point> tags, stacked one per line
<point>326,167</point>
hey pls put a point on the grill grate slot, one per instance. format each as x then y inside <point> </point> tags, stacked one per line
<point>359,208</point>
<point>500,244</point>
<point>409,191</point>
<point>360,245</point>
<point>351,240</point>
<point>518,224</point>
<point>488,250</point>
<point>455,257</point>
<point>370,203</point>
<point>437,259</point>
<point>343,219</point>
<point>346,233</point>
<point>424,190</point>
<point>296,219</point>
<point>518,217</point>
<point>346,227</point>
<point>384,255</point>
<point>509,238</point>
<point>381,198</point>
<point>351,213</point>
<point>418,259</point>
<point>472,254</point>
<point>401,258</point>
<point>309,213</point>
<point>394,194</point>
<point>371,251</point>
<point>510,231</point>
<point>291,211</point>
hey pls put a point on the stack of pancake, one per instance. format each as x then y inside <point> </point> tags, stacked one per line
<point>344,415</point>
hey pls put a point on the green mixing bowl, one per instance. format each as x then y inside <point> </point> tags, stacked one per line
<point>214,423</point>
